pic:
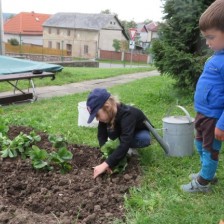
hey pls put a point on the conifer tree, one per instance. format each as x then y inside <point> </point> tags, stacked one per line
<point>180,51</point>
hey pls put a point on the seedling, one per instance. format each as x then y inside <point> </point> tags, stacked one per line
<point>57,141</point>
<point>60,158</point>
<point>39,158</point>
<point>23,145</point>
<point>5,146</point>
<point>108,149</point>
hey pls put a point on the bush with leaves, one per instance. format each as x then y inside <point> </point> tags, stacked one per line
<point>180,51</point>
<point>183,67</point>
<point>116,45</point>
<point>13,41</point>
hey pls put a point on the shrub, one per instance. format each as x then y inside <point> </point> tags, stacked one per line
<point>13,41</point>
<point>180,52</point>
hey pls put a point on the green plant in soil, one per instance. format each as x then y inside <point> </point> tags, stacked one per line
<point>3,125</point>
<point>39,158</point>
<point>21,144</point>
<point>107,149</point>
<point>57,141</point>
<point>24,145</point>
<point>61,158</point>
<point>6,151</point>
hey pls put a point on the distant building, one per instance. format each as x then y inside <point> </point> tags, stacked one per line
<point>82,35</point>
<point>146,33</point>
<point>152,30</point>
<point>142,38</point>
<point>25,27</point>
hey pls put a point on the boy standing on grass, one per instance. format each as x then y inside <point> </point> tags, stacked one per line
<point>209,100</point>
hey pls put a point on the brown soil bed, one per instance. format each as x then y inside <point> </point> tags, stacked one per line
<point>28,196</point>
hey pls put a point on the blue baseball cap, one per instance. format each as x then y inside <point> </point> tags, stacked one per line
<point>95,101</point>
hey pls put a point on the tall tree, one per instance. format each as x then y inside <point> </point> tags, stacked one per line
<point>147,21</point>
<point>180,51</point>
<point>107,11</point>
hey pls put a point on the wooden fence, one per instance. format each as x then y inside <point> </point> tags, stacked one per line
<point>33,49</point>
<point>124,56</point>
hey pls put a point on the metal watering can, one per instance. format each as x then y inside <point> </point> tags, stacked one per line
<point>178,134</point>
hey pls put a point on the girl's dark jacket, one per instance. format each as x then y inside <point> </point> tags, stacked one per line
<point>128,120</point>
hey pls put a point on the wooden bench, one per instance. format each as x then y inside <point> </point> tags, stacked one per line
<point>23,95</point>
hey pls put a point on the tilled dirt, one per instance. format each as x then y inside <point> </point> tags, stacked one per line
<point>28,196</point>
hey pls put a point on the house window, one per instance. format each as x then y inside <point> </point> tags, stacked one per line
<point>58,31</point>
<point>86,49</point>
<point>68,32</point>
<point>49,44</point>
<point>49,30</point>
<point>58,45</point>
<point>69,49</point>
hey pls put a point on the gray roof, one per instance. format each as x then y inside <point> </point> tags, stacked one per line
<point>79,20</point>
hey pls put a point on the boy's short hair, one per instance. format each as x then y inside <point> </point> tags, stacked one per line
<point>213,17</point>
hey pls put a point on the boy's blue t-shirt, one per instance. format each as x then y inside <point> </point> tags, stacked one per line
<point>209,94</point>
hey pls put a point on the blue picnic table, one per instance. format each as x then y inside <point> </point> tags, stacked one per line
<point>12,70</point>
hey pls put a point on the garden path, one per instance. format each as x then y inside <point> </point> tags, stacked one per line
<point>51,91</point>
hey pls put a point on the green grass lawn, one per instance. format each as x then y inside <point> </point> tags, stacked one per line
<point>71,75</point>
<point>159,198</point>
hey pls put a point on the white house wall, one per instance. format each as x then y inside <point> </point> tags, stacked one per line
<point>144,36</point>
<point>155,35</point>
<point>106,38</point>
<point>36,40</point>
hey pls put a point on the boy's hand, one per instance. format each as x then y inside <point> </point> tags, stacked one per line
<point>219,134</point>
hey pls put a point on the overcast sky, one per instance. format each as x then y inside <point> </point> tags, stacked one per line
<point>138,10</point>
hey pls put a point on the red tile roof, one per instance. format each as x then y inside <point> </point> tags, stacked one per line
<point>26,23</point>
<point>141,28</point>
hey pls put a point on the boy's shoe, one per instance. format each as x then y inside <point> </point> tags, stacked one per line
<point>194,176</point>
<point>133,152</point>
<point>194,187</point>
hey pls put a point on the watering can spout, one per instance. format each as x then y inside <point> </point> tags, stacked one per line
<point>162,143</point>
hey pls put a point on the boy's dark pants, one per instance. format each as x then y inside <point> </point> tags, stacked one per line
<point>208,147</point>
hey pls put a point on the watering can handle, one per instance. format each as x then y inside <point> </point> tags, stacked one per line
<point>186,112</point>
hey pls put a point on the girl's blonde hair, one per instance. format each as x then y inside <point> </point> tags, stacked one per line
<point>110,108</point>
<point>213,17</point>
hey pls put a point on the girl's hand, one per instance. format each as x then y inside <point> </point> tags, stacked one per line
<point>219,134</point>
<point>100,169</point>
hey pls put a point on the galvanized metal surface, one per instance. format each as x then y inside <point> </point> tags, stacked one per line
<point>178,133</point>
